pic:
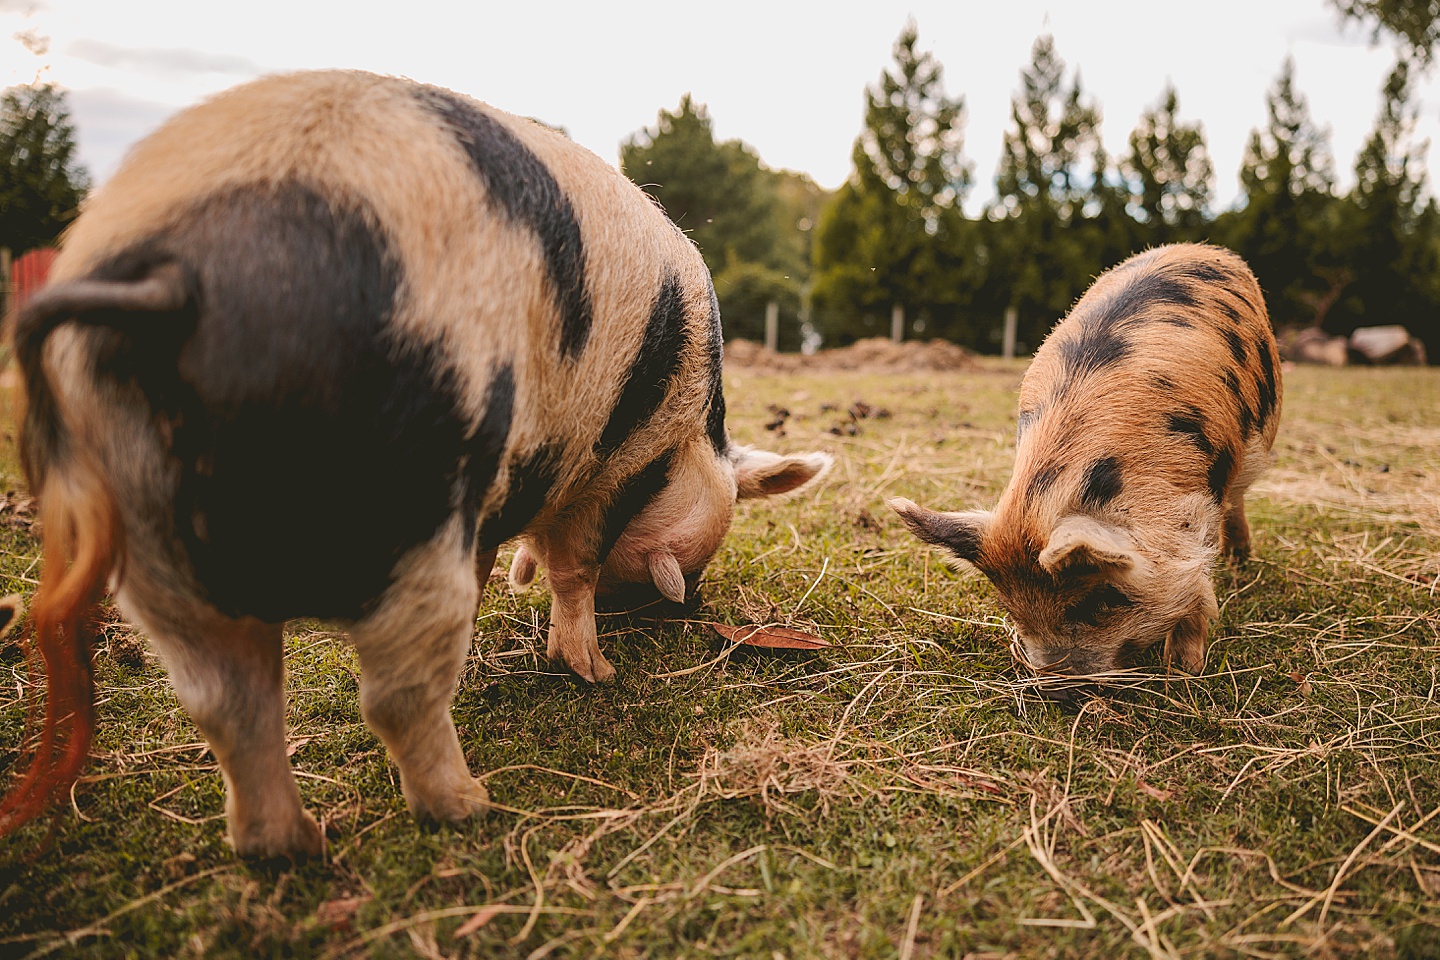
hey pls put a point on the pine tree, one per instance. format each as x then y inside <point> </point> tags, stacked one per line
<point>716,192</point>
<point>748,221</point>
<point>1285,227</point>
<point>891,234</point>
<point>1110,231</point>
<point>1414,24</point>
<point>1391,227</point>
<point>1055,130</point>
<point>913,137</point>
<point>1038,264</point>
<point>1171,171</point>
<point>41,181</point>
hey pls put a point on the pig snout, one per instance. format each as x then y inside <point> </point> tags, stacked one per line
<point>1069,661</point>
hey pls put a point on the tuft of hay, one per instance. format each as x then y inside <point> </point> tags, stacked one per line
<point>765,765</point>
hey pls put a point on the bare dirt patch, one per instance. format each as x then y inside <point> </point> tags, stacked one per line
<point>876,355</point>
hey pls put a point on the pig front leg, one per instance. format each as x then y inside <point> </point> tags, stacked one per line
<point>572,614</point>
<point>1186,644</point>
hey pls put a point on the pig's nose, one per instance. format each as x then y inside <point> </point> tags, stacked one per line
<point>1068,661</point>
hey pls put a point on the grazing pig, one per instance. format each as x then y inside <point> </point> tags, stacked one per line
<point>318,348</point>
<point>1145,416</point>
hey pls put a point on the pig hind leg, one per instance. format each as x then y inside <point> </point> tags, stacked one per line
<point>1237,533</point>
<point>412,648</point>
<point>1236,542</point>
<point>229,675</point>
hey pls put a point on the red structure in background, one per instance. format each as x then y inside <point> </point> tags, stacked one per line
<point>28,273</point>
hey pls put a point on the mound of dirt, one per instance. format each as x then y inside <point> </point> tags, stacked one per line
<point>876,354</point>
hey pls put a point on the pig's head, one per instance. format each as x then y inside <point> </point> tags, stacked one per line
<point>665,548</point>
<point>1085,592</point>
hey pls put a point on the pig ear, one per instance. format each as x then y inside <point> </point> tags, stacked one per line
<point>760,473</point>
<point>523,567</point>
<point>669,578</point>
<point>960,533</point>
<point>1081,541</point>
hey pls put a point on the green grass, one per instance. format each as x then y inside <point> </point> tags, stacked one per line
<point>907,793</point>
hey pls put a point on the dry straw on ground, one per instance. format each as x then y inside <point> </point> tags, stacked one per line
<point>907,791</point>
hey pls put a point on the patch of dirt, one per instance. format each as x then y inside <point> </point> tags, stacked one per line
<point>875,354</point>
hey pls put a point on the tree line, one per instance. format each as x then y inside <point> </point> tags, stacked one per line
<point>896,236</point>
<point>895,239</point>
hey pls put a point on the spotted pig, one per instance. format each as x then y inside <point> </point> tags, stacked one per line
<point>1145,416</point>
<point>319,348</point>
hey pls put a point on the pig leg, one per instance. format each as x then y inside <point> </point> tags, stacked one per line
<point>1185,646</point>
<point>1237,533</point>
<point>572,615</point>
<point>229,675</point>
<point>484,567</point>
<point>412,649</point>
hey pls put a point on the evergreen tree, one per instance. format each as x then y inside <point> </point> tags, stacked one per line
<point>1415,24</point>
<point>1171,171</point>
<point>1285,228</point>
<point>1111,233</point>
<point>891,234</point>
<point>716,192</point>
<point>41,182</point>
<point>1037,263</point>
<point>749,222</point>
<point>1390,231</point>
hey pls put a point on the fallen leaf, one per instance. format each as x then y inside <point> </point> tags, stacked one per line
<point>1156,792</point>
<point>482,917</point>
<point>770,637</point>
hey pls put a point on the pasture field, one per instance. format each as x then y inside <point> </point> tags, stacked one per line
<point>906,792</point>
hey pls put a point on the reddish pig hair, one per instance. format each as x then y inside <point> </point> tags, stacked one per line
<point>81,541</point>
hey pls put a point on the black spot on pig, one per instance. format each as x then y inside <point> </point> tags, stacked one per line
<point>715,356</point>
<point>485,448</point>
<point>1190,424</point>
<point>1266,382</point>
<point>1237,346</point>
<point>654,366</point>
<point>1247,416</point>
<point>1102,483</point>
<point>632,497</point>
<point>1220,472</point>
<point>522,188</point>
<point>274,397</point>
<point>1206,273</point>
<point>1043,480</point>
<point>530,482</point>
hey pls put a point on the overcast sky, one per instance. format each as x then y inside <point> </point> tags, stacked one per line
<point>787,78</point>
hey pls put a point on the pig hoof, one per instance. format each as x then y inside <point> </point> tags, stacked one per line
<point>1190,663</point>
<point>295,840</point>
<point>594,668</point>
<point>587,662</point>
<point>452,806</point>
<point>600,671</point>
